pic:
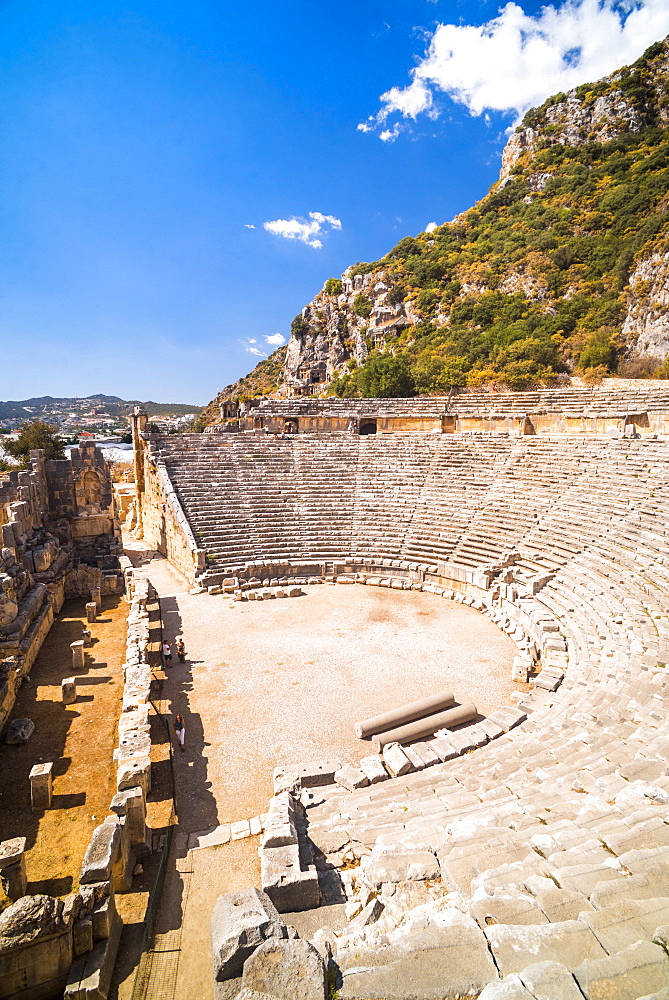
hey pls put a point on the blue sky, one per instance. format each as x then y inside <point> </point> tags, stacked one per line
<point>141,141</point>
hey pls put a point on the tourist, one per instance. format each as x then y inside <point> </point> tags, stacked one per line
<point>167,653</point>
<point>180,730</point>
<point>181,650</point>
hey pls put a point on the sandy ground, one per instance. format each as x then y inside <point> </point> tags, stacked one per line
<point>83,782</point>
<point>278,682</point>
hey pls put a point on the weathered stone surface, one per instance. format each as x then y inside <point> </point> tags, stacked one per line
<point>372,767</point>
<point>518,908</point>
<point>550,981</point>
<point>101,854</point>
<point>515,947</point>
<point>368,915</point>
<point>240,922</point>
<point>509,988</point>
<point>624,923</point>
<point>68,690</point>
<point>396,760</point>
<point>350,777</point>
<point>440,956</point>
<point>640,969</point>
<point>20,731</point>
<point>387,865</point>
<point>30,918</point>
<point>287,970</point>
<point>90,976</point>
<point>41,786</point>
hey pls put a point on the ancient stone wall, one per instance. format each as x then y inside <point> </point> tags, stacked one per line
<point>58,538</point>
<point>161,519</point>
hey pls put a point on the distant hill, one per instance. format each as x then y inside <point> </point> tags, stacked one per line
<point>115,406</point>
<point>562,268</point>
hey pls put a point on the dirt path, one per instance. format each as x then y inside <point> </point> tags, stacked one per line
<point>78,738</point>
<point>275,682</point>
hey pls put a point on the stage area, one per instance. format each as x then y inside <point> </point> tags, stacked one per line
<point>283,681</point>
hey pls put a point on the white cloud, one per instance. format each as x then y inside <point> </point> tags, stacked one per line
<point>515,60</point>
<point>247,225</point>
<point>299,228</point>
<point>276,339</point>
<point>249,346</point>
<point>430,227</point>
<point>390,134</point>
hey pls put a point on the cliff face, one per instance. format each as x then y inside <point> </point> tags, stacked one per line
<point>564,263</point>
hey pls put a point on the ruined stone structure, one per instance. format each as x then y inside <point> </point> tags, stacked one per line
<point>546,826</point>
<point>60,538</point>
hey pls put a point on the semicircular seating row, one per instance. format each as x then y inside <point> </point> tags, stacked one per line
<point>569,813</point>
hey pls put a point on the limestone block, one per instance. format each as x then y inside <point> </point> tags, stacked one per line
<point>285,883</point>
<point>550,981</point>
<point>82,935</point>
<point>68,690</point>
<point>509,988</point>
<point>41,777</point>
<point>311,775</point>
<point>131,803</point>
<point>132,772</point>
<point>641,969</point>
<point>396,760</point>
<point>13,868</point>
<point>350,777</point>
<point>240,922</point>
<point>280,829</point>
<point>91,612</point>
<point>569,942</point>
<point>102,917</point>
<point>101,854</point>
<point>446,957</point>
<point>90,976</point>
<point>387,865</point>
<point>288,969</point>
<point>77,654</point>
<point>369,914</point>
<point>510,908</point>
<point>35,947</point>
<point>96,597</point>
<point>373,767</point>
<point>20,731</point>
<point>618,926</point>
<point>294,591</point>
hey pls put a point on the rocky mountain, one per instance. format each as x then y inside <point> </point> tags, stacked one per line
<point>563,266</point>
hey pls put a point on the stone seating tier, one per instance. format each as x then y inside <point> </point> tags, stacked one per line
<point>558,831</point>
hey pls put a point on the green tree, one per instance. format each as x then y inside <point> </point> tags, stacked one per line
<point>37,434</point>
<point>362,306</point>
<point>333,286</point>
<point>385,376</point>
<point>299,327</point>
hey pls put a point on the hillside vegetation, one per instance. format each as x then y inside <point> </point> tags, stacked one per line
<point>561,268</point>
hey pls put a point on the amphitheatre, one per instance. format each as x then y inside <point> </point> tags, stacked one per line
<point>425,639</point>
<point>511,549</point>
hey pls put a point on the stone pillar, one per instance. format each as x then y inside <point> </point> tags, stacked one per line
<point>132,804</point>
<point>77,654</point>
<point>96,595</point>
<point>91,611</point>
<point>13,868</point>
<point>86,636</point>
<point>68,688</point>
<point>40,786</point>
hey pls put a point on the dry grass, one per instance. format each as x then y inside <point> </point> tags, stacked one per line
<point>78,738</point>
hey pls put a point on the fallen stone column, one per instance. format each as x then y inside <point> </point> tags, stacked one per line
<point>407,713</point>
<point>426,727</point>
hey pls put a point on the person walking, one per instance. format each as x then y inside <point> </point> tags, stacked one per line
<point>181,650</point>
<point>167,653</point>
<point>180,730</point>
